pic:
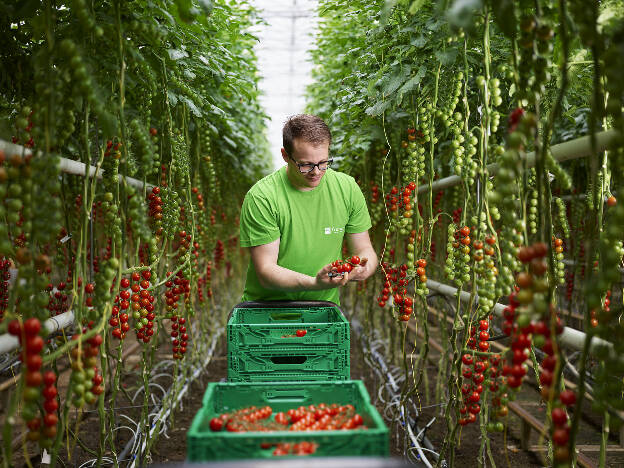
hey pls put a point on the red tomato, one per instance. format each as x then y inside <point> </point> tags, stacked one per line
<point>32,326</point>
<point>216,424</point>
<point>559,416</point>
<point>50,419</point>
<point>567,397</point>
<point>50,405</point>
<point>34,379</point>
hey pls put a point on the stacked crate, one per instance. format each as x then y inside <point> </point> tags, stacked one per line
<point>272,344</point>
<point>286,355</point>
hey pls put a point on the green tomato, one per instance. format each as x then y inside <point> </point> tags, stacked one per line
<point>89,398</point>
<point>78,402</point>
<point>31,394</point>
<point>30,411</point>
<point>539,341</point>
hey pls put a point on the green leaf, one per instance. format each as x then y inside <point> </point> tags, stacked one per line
<point>395,81</point>
<point>191,105</point>
<point>229,142</point>
<point>186,10</point>
<point>379,108</point>
<point>446,57</point>
<point>410,84</point>
<point>173,98</point>
<point>419,41</point>
<point>504,15</point>
<point>415,6</point>
<point>177,54</point>
<point>206,6</point>
<point>461,13</point>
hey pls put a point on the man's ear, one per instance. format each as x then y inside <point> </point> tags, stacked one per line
<point>285,155</point>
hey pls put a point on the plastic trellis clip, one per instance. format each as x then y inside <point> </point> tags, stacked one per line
<point>333,274</point>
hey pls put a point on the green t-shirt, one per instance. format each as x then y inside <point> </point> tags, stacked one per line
<point>310,225</point>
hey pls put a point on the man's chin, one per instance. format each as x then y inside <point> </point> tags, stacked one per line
<point>313,182</point>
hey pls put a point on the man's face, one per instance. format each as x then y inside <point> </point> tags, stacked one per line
<point>305,152</point>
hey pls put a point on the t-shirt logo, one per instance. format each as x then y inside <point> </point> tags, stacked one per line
<point>333,230</point>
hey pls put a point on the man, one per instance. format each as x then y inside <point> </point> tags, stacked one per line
<point>294,222</point>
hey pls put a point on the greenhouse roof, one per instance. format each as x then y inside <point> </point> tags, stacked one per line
<point>283,61</point>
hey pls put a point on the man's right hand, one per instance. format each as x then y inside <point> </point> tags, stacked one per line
<point>324,281</point>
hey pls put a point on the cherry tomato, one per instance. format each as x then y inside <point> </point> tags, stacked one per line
<point>216,424</point>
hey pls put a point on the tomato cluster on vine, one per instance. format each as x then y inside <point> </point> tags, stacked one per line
<point>86,380</point>
<point>28,334</point>
<point>474,372</point>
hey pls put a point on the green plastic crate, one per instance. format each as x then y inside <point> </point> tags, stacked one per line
<point>277,327</point>
<point>292,364</point>
<point>205,445</point>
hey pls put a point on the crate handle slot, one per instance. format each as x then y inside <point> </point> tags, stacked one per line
<point>288,359</point>
<point>286,316</point>
<point>287,396</point>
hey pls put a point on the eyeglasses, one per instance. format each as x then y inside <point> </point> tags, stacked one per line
<point>304,168</point>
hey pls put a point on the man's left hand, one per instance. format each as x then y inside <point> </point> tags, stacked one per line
<point>360,272</point>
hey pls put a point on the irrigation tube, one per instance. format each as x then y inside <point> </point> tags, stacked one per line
<point>395,388</point>
<point>64,320</point>
<point>570,337</point>
<point>573,149</point>
<point>68,166</point>
<point>164,412</point>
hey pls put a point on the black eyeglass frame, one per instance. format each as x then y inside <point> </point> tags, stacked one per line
<point>328,162</point>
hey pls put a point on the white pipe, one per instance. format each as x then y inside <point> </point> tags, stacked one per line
<point>573,263</point>
<point>10,342</point>
<point>68,166</point>
<point>569,337</point>
<point>573,149</point>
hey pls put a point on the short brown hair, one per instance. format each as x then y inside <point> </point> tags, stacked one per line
<point>306,127</point>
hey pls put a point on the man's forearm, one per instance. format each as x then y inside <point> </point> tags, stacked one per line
<point>282,279</point>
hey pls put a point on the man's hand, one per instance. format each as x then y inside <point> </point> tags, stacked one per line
<point>324,281</point>
<point>360,272</point>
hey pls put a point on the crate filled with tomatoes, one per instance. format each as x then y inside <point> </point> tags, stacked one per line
<point>269,419</point>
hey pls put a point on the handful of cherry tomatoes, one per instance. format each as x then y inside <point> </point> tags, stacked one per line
<point>339,268</point>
